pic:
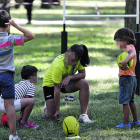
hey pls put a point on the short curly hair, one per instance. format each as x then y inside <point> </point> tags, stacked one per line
<point>28,71</point>
<point>4,18</point>
<point>125,34</point>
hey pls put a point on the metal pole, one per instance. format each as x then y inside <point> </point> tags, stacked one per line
<point>137,47</point>
<point>64,33</point>
<point>134,15</point>
<point>137,13</point>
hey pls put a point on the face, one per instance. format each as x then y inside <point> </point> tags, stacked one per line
<point>70,58</point>
<point>121,44</point>
<point>33,79</point>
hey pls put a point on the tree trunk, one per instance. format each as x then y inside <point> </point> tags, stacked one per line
<point>46,6</point>
<point>5,8</point>
<point>130,8</point>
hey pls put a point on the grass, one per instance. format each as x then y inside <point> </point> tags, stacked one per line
<point>102,76</point>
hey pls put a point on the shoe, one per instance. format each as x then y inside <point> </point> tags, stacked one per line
<point>85,118</point>
<point>135,123</point>
<point>123,125</point>
<point>28,124</point>
<point>11,137</point>
<point>29,22</point>
<point>44,110</point>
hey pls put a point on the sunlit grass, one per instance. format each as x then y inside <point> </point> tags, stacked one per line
<point>101,74</point>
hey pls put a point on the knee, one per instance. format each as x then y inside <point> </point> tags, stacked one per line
<point>84,84</point>
<point>32,102</point>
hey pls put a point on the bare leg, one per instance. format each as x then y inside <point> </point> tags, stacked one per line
<point>84,93</point>
<point>10,111</point>
<point>134,111</point>
<point>26,107</point>
<point>126,113</point>
<point>50,110</point>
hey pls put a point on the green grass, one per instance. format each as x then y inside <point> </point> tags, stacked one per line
<point>102,75</point>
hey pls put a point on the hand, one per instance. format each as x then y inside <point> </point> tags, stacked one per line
<point>12,22</point>
<point>124,65</point>
<point>65,81</point>
<point>57,116</point>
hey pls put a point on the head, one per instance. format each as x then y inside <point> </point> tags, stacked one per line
<point>4,18</point>
<point>124,37</point>
<point>29,72</point>
<point>76,53</point>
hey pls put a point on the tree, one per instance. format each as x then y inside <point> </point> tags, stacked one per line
<point>130,8</point>
<point>5,8</point>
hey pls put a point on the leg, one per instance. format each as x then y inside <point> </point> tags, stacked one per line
<point>126,113</point>
<point>10,111</point>
<point>134,111</point>
<point>26,107</point>
<point>84,93</point>
<point>29,12</point>
<point>50,110</point>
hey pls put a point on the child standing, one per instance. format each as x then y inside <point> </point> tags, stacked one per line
<point>7,68</point>
<point>125,40</point>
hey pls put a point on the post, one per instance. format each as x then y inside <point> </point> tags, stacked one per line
<point>63,33</point>
<point>137,47</point>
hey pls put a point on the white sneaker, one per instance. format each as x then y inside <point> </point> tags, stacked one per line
<point>85,118</point>
<point>44,110</point>
<point>11,137</point>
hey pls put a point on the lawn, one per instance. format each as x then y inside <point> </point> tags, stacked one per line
<point>102,73</point>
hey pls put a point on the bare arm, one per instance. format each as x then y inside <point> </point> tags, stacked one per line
<point>131,55</point>
<point>27,34</point>
<point>81,75</point>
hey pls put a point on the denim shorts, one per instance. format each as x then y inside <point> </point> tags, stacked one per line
<point>127,89</point>
<point>7,86</point>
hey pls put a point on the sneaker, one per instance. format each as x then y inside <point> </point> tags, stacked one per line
<point>135,123</point>
<point>44,110</point>
<point>28,124</point>
<point>123,125</point>
<point>11,137</point>
<point>85,118</point>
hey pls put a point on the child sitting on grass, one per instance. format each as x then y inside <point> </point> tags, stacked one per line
<point>24,91</point>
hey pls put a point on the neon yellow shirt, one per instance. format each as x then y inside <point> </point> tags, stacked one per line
<point>58,71</point>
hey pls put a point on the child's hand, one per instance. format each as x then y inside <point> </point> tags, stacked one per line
<point>12,22</point>
<point>124,65</point>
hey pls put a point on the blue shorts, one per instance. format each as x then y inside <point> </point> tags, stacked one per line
<point>7,86</point>
<point>127,89</point>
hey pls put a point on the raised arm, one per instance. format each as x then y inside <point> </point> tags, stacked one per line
<point>27,34</point>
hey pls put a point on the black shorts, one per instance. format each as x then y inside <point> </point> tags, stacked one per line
<point>49,92</point>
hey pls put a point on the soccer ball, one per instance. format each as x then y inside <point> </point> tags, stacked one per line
<point>122,57</point>
<point>70,126</point>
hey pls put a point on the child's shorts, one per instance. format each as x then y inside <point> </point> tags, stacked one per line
<point>127,89</point>
<point>17,105</point>
<point>7,87</point>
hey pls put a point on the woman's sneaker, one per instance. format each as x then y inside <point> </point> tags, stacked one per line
<point>11,137</point>
<point>85,118</point>
<point>28,124</point>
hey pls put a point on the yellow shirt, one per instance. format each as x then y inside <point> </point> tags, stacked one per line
<point>58,71</point>
<point>131,71</point>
